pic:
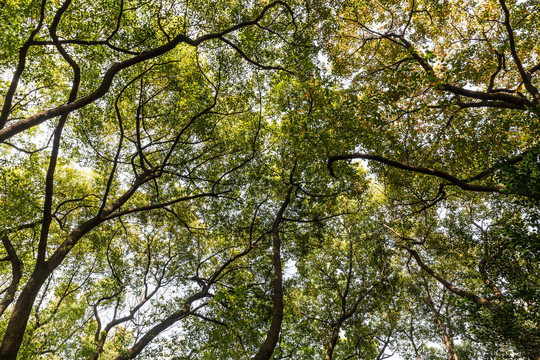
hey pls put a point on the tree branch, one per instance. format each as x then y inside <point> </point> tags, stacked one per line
<point>463,184</point>
<point>16,274</point>
<point>6,108</point>
<point>107,80</point>
<point>525,77</point>
<point>458,291</point>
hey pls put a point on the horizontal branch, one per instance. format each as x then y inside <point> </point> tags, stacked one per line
<point>463,184</point>
<point>491,99</point>
<point>161,205</point>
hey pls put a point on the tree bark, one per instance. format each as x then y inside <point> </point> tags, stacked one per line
<point>272,337</point>
<point>334,339</point>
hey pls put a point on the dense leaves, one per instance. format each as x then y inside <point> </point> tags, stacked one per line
<point>287,179</point>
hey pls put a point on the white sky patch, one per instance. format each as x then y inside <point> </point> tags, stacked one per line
<point>289,270</point>
<point>325,62</point>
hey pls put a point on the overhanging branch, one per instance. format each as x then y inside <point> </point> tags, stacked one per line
<point>463,184</point>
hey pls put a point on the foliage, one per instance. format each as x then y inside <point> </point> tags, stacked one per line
<point>253,179</point>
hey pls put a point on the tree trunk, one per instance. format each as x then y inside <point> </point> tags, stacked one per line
<point>333,340</point>
<point>272,337</point>
<point>448,340</point>
<point>21,312</point>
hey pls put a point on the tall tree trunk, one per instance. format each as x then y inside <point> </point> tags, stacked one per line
<point>448,340</point>
<point>334,339</point>
<point>272,337</point>
<point>21,312</point>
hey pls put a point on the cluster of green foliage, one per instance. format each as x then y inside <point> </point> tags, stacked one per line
<point>241,179</point>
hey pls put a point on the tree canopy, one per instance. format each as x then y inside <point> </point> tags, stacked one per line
<point>270,180</point>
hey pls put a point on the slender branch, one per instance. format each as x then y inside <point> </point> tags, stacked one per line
<point>447,337</point>
<point>87,43</point>
<point>186,309</point>
<point>161,205</point>
<point>458,291</point>
<point>251,61</point>
<point>6,108</point>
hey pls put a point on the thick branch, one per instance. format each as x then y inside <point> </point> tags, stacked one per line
<point>492,99</point>
<point>49,180</point>
<point>463,184</point>
<point>334,338</point>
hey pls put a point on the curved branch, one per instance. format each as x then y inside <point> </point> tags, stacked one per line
<point>161,205</point>
<point>488,282</point>
<point>525,77</point>
<point>186,309</point>
<point>20,68</point>
<point>107,80</point>
<point>86,43</point>
<point>251,61</point>
<point>49,180</point>
<point>458,291</point>
<point>162,326</point>
<point>463,184</point>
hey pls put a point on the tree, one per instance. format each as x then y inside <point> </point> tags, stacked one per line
<point>174,179</point>
<point>138,110</point>
<point>459,114</point>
